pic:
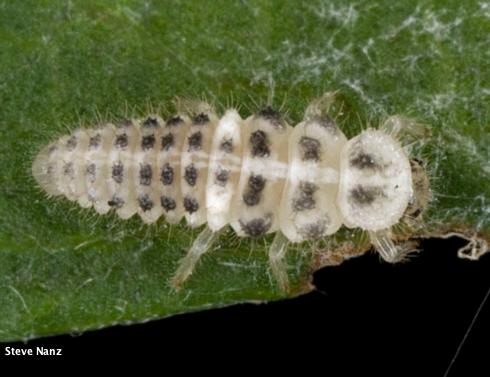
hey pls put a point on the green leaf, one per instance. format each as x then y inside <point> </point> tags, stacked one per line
<point>64,269</point>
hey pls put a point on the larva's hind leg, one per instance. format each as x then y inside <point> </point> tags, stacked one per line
<point>277,252</point>
<point>201,245</point>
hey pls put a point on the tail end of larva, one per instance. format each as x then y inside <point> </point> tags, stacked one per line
<point>41,171</point>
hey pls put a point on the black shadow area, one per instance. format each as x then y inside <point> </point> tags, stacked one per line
<point>407,319</point>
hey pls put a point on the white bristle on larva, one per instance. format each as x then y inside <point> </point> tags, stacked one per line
<point>258,175</point>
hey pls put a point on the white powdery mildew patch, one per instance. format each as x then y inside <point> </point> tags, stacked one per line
<point>346,15</point>
<point>484,9</point>
<point>466,145</point>
<point>258,175</point>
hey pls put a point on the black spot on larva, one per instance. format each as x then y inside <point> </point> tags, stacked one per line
<point>126,123</point>
<point>68,170</point>
<point>147,142</point>
<point>200,119</point>
<point>256,227</point>
<point>190,204</point>
<point>118,172</point>
<point>222,177</point>
<point>94,141</point>
<point>116,202</point>
<point>328,123</point>
<point>272,116</point>
<point>71,143</point>
<point>310,149</point>
<point>91,169</point>
<point>363,195</point>
<point>259,144</point>
<point>256,184</point>
<point>195,141</point>
<point>416,213</point>
<point>52,149</point>
<point>167,141</point>
<point>121,141</point>
<point>145,175</point>
<point>150,122</point>
<point>50,170</point>
<point>363,161</point>
<point>304,199</point>
<point>414,161</point>
<point>168,203</point>
<point>174,121</point>
<point>145,202</point>
<point>226,145</point>
<point>314,231</point>
<point>167,175</point>
<point>190,174</point>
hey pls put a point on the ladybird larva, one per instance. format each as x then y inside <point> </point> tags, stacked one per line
<point>257,175</point>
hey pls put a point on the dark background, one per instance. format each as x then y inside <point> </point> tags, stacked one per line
<point>408,318</point>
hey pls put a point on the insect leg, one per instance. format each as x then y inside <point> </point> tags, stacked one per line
<point>381,240</point>
<point>201,245</point>
<point>277,252</point>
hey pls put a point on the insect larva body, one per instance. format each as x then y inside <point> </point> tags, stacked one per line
<point>259,175</point>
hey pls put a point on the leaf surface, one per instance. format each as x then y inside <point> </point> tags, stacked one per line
<point>64,64</point>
